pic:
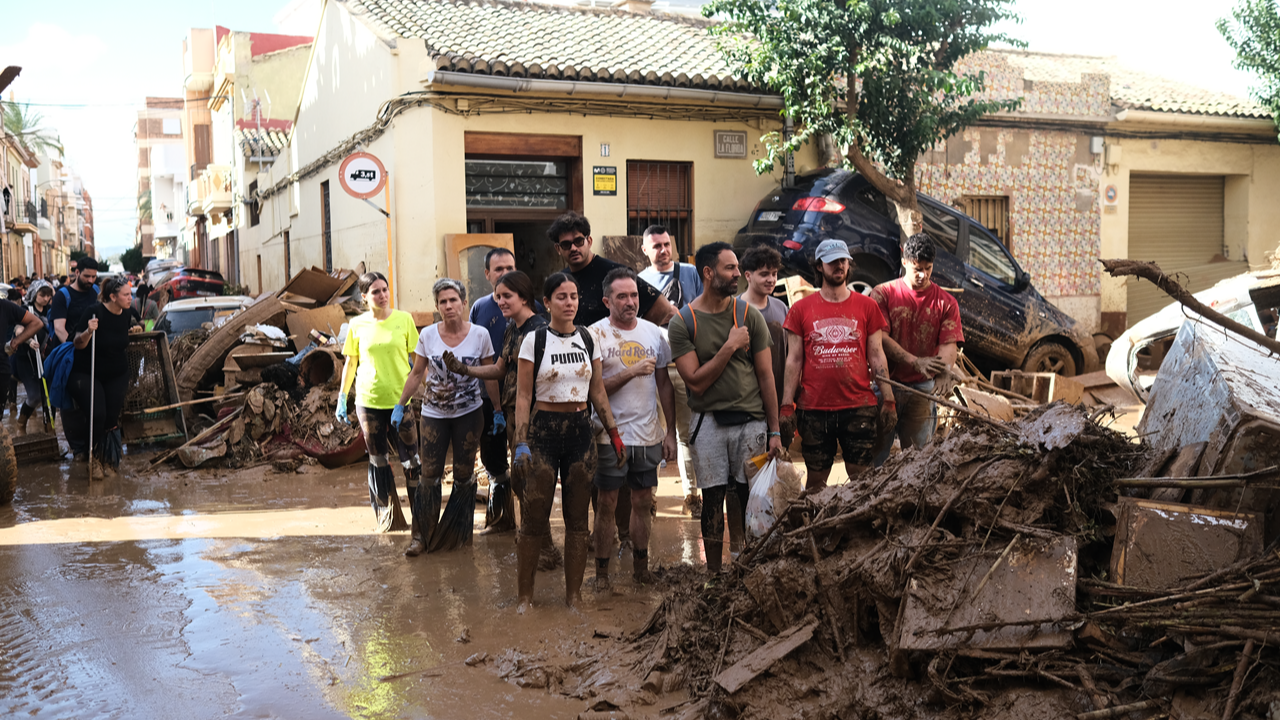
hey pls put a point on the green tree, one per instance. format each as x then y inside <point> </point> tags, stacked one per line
<point>77,255</point>
<point>28,126</point>
<point>878,76</point>
<point>132,260</point>
<point>1254,33</point>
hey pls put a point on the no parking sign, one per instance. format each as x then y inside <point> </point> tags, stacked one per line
<point>362,175</point>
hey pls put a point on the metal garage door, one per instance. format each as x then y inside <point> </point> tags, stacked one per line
<point>1176,222</point>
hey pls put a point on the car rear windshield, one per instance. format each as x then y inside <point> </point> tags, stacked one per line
<point>180,321</point>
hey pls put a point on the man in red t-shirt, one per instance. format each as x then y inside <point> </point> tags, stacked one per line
<point>834,346</point>
<point>924,337</point>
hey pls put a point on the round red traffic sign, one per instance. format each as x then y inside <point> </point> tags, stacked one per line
<point>362,175</point>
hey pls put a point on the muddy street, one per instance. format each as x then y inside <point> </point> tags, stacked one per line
<point>252,593</point>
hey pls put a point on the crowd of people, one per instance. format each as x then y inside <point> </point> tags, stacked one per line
<point>94,320</point>
<point>616,373</point>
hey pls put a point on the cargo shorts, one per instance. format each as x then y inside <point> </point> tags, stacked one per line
<point>852,429</point>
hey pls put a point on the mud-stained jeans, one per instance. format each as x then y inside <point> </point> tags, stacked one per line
<point>462,433</point>
<point>493,448</point>
<point>563,447</point>
<point>917,420</point>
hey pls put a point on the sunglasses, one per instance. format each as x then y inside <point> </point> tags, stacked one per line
<point>576,242</point>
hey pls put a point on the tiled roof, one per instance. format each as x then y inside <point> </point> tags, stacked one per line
<point>1134,88</point>
<point>524,39</point>
<point>261,143</point>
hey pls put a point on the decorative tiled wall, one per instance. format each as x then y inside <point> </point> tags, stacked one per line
<point>1051,183</point>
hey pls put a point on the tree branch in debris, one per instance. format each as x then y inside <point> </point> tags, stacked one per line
<point>1151,271</point>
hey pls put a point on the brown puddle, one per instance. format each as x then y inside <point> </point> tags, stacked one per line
<point>216,593</point>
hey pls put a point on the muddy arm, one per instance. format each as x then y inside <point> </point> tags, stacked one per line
<point>491,387</point>
<point>524,398</point>
<point>1151,271</point>
<point>879,364</point>
<point>599,398</point>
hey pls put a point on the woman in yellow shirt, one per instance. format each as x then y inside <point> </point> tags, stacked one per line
<point>378,347</point>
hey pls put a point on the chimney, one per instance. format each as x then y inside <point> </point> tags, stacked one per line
<point>636,6</point>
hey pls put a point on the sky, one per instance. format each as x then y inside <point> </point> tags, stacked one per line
<point>105,57</point>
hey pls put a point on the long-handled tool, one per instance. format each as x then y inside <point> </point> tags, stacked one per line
<point>44,384</point>
<point>93,371</point>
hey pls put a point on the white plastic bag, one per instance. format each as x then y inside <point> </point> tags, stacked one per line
<point>760,505</point>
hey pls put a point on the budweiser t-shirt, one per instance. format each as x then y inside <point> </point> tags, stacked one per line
<point>918,321</point>
<point>835,336</point>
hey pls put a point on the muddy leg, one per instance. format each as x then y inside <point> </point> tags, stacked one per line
<point>575,498</point>
<point>736,508</point>
<point>606,506</point>
<point>527,547</point>
<point>535,525</point>
<point>417,541</point>
<point>622,518</point>
<point>713,526</point>
<point>641,527</point>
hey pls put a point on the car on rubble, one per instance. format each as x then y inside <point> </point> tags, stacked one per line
<point>179,316</point>
<point>1006,320</point>
<point>1251,299</point>
<point>193,282</point>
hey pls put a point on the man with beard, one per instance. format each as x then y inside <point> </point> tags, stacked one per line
<point>571,236</point>
<point>834,336</point>
<point>721,349</point>
<point>69,303</point>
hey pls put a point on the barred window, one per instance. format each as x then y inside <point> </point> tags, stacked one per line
<point>991,212</point>
<point>661,193</point>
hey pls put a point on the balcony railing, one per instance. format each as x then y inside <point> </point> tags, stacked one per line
<point>215,190</point>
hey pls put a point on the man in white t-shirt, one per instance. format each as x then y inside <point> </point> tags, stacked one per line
<point>634,359</point>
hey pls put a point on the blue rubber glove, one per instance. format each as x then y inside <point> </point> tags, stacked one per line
<point>397,415</point>
<point>522,455</point>
<point>499,423</point>
<point>342,409</point>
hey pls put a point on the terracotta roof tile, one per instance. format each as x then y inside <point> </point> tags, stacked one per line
<point>526,39</point>
<point>256,142</point>
<point>1131,88</point>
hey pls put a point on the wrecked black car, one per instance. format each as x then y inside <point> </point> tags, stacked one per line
<point>1006,320</point>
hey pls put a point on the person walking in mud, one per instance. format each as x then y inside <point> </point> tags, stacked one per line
<point>679,284</point>
<point>100,371</point>
<point>377,350</point>
<point>489,313</point>
<point>835,339</point>
<point>922,342</point>
<point>559,373</point>
<point>451,416</point>
<point>721,349</point>
<point>515,297</point>
<point>634,356</point>
<point>28,359</point>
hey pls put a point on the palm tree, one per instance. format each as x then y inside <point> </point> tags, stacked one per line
<point>26,125</point>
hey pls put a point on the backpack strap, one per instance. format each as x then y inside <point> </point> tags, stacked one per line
<point>740,319</point>
<point>690,321</point>
<point>539,349</point>
<point>587,341</point>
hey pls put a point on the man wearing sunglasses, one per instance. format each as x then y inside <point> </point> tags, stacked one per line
<point>571,236</point>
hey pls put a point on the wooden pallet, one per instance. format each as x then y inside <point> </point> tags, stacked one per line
<point>1043,388</point>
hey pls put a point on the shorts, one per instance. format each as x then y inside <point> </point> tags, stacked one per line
<point>853,429</point>
<point>640,472</point>
<point>720,450</point>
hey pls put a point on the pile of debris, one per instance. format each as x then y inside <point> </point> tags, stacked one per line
<point>270,377</point>
<point>973,577</point>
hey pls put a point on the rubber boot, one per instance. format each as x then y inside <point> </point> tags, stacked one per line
<point>95,468</point>
<point>640,567</point>
<point>500,516</point>
<point>736,519</point>
<point>549,557</point>
<point>575,565</point>
<point>23,416</point>
<point>714,550</point>
<point>600,583</point>
<point>427,510</point>
<point>417,542</point>
<point>622,519</point>
<point>527,547</point>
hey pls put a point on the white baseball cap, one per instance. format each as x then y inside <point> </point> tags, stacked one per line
<point>832,250</point>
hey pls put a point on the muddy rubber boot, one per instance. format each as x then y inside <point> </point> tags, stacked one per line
<point>427,510</point>
<point>527,548</point>
<point>714,550</point>
<point>736,519</point>
<point>600,583</point>
<point>95,469</point>
<point>23,416</point>
<point>640,568</point>
<point>549,557</point>
<point>500,515</point>
<point>575,565</point>
<point>417,543</point>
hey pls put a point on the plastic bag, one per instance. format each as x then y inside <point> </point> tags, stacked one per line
<point>760,511</point>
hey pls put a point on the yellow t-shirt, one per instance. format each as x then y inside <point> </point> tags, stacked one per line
<point>383,349</point>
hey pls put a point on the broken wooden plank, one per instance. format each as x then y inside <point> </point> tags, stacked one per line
<point>763,657</point>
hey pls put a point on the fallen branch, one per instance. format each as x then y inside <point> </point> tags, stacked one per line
<point>1151,271</point>
<point>1118,711</point>
<point>999,424</point>
<point>1237,682</point>
<point>1208,481</point>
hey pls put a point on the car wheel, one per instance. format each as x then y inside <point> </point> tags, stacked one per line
<point>867,272</point>
<point>1050,356</point>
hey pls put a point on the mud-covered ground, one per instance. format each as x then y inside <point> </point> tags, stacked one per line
<point>169,593</point>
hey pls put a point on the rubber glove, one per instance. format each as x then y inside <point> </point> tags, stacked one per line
<point>522,455</point>
<point>397,415</point>
<point>499,424</point>
<point>618,447</point>
<point>342,409</point>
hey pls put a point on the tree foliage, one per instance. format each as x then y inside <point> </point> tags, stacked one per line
<point>28,126</point>
<point>906,96</point>
<point>1254,33</point>
<point>132,260</point>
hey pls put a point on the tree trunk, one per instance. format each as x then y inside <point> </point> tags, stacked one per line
<point>901,192</point>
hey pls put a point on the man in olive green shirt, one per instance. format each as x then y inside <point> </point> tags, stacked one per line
<point>721,350</point>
